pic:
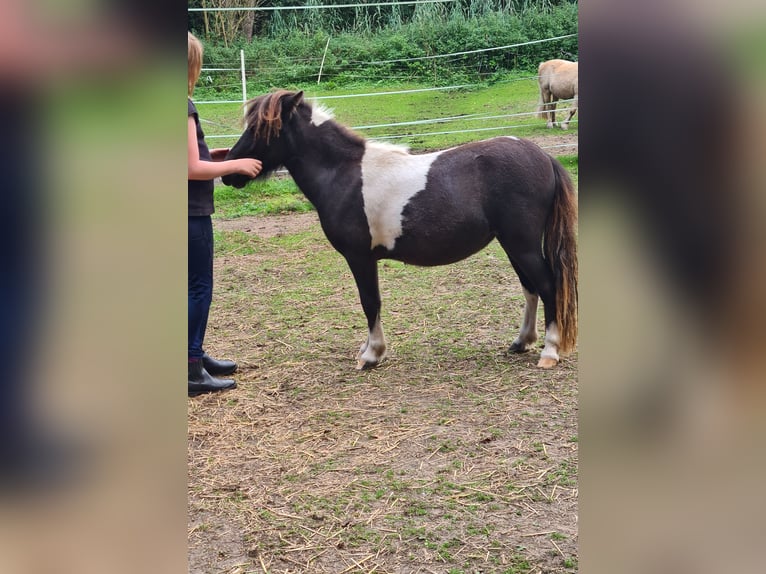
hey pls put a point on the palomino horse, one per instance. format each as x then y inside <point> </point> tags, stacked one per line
<point>376,201</point>
<point>558,81</point>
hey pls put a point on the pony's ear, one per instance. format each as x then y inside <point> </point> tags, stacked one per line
<point>291,102</point>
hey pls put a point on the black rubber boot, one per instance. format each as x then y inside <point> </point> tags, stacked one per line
<point>200,381</point>
<point>218,368</point>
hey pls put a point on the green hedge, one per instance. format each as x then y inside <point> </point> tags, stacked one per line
<point>292,58</point>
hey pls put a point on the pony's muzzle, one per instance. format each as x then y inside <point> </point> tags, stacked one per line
<point>235,180</point>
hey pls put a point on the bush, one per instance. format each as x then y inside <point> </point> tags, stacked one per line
<point>291,56</point>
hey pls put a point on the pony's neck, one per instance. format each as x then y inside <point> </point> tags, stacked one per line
<point>323,152</point>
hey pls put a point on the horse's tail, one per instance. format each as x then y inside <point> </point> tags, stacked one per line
<point>543,98</point>
<point>540,107</point>
<point>560,248</point>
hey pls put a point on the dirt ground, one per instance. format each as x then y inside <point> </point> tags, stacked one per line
<point>558,142</point>
<point>272,226</point>
<point>452,457</point>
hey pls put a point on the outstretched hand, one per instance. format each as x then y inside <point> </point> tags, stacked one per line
<point>248,166</point>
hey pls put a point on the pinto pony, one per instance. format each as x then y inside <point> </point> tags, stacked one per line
<point>377,201</point>
<point>558,81</point>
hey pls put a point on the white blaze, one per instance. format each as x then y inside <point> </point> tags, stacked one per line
<point>390,178</point>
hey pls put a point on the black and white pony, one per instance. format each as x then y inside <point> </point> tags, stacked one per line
<point>377,201</point>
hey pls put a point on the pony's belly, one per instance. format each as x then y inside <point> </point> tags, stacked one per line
<point>429,251</point>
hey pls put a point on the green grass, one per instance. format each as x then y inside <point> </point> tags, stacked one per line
<point>262,197</point>
<point>570,162</point>
<point>234,243</point>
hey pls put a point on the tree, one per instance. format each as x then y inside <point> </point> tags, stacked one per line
<point>225,26</point>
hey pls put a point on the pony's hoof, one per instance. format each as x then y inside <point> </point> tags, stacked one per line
<point>518,347</point>
<point>362,365</point>
<point>564,126</point>
<point>547,363</point>
<point>370,357</point>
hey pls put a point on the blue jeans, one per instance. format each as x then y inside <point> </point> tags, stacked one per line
<point>200,280</point>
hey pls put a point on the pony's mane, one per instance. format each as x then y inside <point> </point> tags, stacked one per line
<point>264,114</point>
<point>321,112</point>
<point>388,147</point>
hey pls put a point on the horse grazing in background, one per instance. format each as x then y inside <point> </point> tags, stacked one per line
<point>558,81</point>
<point>377,201</point>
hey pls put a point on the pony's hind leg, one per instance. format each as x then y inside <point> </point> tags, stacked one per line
<point>536,277</point>
<point>572,112</point>
<point>528,333</point>
<point>365,272</point>
<point>544,107</point>
<point>552,113</point>
<point>550,109</point>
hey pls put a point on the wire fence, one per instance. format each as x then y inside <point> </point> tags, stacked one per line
<point>393,127</point>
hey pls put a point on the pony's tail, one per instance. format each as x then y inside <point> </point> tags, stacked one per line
<point>560,248</point>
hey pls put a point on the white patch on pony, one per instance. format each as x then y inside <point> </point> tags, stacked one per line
<point>512,138</point>
<point>390,178</point>
<point>373,351</point>
<point>320,114</point>
<point>552,340</point>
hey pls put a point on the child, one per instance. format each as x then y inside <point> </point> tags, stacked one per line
<point>204,166</point>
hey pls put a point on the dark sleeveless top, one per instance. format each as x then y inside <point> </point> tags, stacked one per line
<point>200,191</point>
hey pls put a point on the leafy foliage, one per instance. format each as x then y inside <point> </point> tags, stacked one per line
<point>381,44</point>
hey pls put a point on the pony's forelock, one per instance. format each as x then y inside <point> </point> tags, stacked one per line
<point>264,114</point>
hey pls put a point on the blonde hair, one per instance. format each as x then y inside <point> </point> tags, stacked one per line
<point>195,61</point>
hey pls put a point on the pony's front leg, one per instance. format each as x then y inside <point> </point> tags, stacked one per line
<point>365,271</point>
<point>372,351</point>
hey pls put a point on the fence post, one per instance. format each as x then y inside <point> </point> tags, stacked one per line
<point>321,66</point>
<point>244,84</point>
